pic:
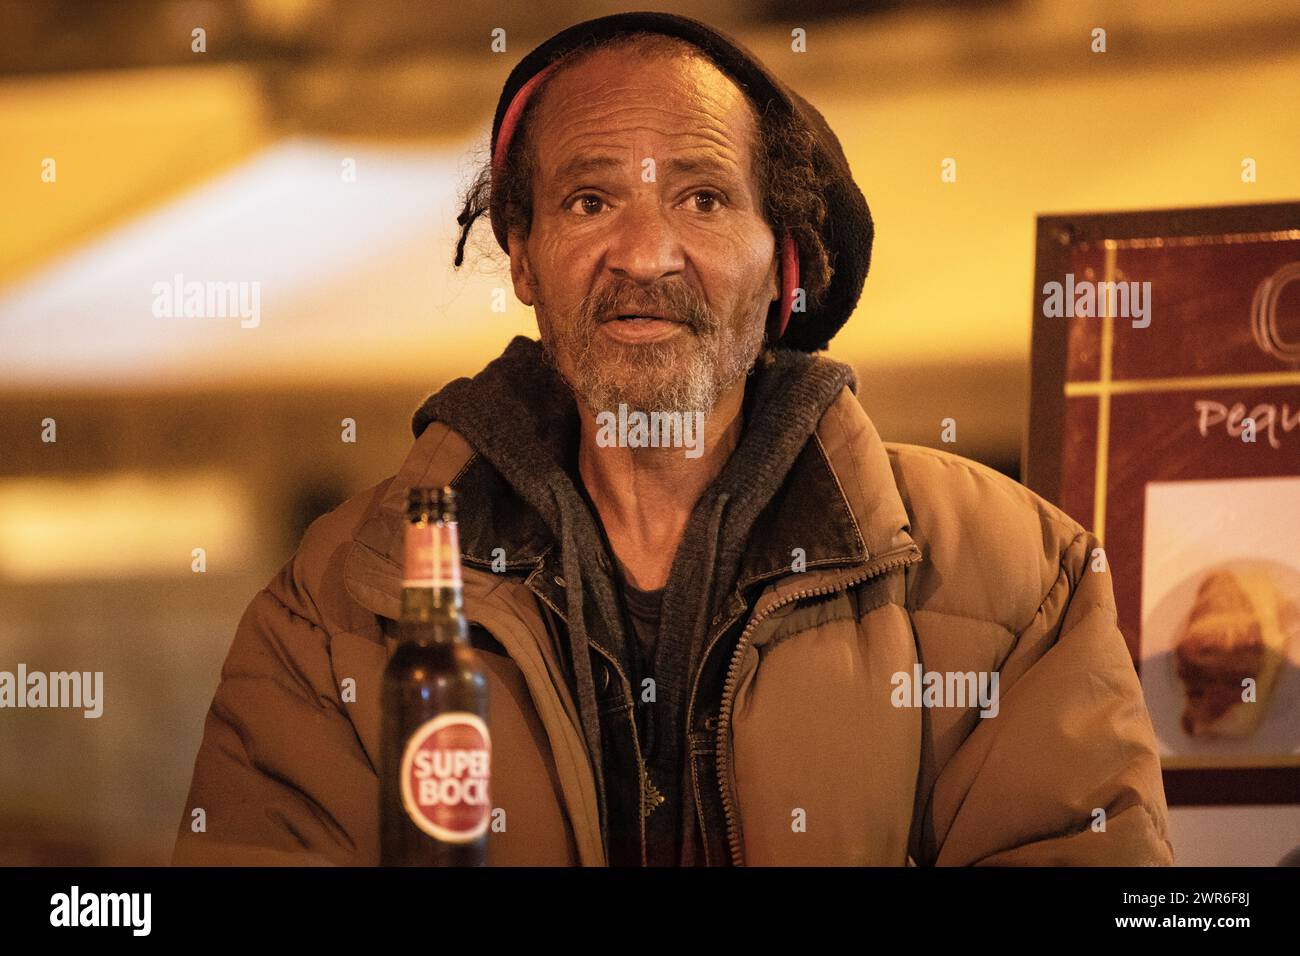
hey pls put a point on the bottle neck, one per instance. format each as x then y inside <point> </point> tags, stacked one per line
<point>431,580</point>
<point>425,603</point>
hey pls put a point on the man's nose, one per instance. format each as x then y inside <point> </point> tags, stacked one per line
<point>645,246</point>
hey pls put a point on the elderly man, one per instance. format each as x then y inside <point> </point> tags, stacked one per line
<point>778,640</point>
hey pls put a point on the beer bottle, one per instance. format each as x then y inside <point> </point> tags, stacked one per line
<point>436,750</point>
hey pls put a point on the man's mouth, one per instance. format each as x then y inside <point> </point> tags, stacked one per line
<point>640,317</point>
<point>638,327</point>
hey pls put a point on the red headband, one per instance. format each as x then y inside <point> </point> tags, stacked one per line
<point>506,133</point>
<point>509,121</point>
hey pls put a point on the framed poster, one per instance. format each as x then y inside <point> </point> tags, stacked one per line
<point>1165,417</point>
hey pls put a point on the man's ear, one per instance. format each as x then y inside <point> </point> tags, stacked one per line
<point>521,270</point>
<point>774,287</point>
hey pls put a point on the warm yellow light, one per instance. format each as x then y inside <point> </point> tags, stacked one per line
<point>121,524</point>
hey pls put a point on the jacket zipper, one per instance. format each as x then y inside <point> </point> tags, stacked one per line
<point>882,565</point>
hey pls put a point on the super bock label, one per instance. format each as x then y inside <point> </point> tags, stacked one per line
<point>432,550</point>
<point>445,777</point>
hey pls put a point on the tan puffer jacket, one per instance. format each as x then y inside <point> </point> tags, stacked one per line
<point>959,571</point>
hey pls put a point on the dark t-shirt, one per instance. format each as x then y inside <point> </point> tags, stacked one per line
<point>644,610</point>
<point>643,606</point>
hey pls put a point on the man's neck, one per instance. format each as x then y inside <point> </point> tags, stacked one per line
<point>645,495</point>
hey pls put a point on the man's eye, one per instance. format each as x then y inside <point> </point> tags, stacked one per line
<point>587,204</point>
<point>712,199</point>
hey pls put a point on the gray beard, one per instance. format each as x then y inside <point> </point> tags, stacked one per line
<point>671,376</point>
<point>651,376</point>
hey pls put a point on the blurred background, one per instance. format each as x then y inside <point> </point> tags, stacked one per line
<point>320,148</point>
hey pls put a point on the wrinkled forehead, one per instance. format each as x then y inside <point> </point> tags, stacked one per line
<point>630,101</point>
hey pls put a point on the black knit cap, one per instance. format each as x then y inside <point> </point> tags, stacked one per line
<point>847,231</point>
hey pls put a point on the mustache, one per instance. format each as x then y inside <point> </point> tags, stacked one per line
<point>675,299</point>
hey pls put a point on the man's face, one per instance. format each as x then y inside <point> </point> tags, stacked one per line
<point>644,204</point>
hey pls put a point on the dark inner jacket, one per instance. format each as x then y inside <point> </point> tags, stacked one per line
<point>521,418</point>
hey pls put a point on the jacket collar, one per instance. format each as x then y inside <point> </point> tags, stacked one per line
<point>839,504</point>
